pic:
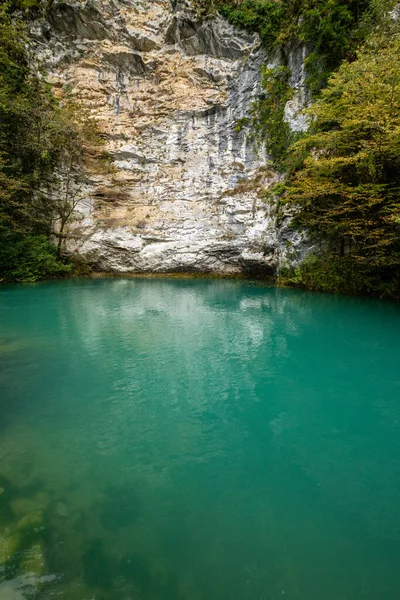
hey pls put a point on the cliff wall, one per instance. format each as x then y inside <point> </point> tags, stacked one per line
<point>187,190</point>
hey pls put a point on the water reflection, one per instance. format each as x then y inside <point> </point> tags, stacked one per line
<point>197,439</point>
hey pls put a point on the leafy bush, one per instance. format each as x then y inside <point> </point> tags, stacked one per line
<point>29,258</point>
<point>332,28</point>
<point>328,272</point>
<point>261,16</point>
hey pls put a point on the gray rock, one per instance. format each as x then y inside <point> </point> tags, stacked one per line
<point>168,90</point>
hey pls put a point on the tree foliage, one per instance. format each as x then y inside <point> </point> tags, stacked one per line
<point>347,191</point>
<point>332,29</point>
<point>43,143</point>
<point>262,16</point>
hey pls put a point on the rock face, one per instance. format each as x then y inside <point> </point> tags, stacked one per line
<point>167,89</point>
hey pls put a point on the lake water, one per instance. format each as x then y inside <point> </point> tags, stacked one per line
<point>186,439</point>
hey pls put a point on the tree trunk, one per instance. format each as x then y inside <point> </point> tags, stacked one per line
<point>60,236</point>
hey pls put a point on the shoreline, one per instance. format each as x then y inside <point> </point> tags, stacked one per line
<point>271,282</point>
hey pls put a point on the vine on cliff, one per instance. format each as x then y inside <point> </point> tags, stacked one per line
<point>266,120</point>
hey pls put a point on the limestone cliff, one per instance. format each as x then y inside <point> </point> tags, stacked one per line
<point>167,89</point>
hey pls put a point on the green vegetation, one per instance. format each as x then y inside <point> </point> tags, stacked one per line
<point>329,272</point>
<point>347,189</point>
<point>262,16</point>
<point>266,119</point>
<point>342,179</point>
<point>43,148</point>
<point>343,173</point>
<point>331,28</point>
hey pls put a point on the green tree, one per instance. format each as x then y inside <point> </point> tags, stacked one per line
<point>333,30</point>
<point>80,150</point>
<point>347,191</point>
<point>45,145</point>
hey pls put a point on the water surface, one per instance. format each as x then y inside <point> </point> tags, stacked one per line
<point>177,439</point>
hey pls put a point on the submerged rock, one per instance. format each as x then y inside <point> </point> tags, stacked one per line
<point>34,561</point>
<point>27,583</point>
<point>9,546</point>
<point>61,509</point>
<point>31,522</point>
<point>24,506</point>
<point>15,589</point>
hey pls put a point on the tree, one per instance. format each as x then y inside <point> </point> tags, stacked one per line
<point>81,149</point>
<point>46,145</point>
<point>347,191</point>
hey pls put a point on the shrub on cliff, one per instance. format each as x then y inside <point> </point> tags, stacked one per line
<point>331,28</point>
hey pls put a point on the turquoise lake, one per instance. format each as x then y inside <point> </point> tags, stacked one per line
<point>194,439</point>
